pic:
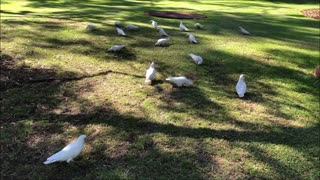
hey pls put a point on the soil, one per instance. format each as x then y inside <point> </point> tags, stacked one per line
<point>316,72</point>
<point>313,13</point>
<point>175,15</point>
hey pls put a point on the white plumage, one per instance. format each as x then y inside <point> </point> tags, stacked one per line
<point>243,31</point>
<point>183,27</point>
<point>131,27</point>
<point>117,23</point>
<point>192,38</point>
<point>90,27</point>
<point>241,86</point>
<point>69,152</point>
<point>162,42</point>
<point>120,32</point>
<point>162,32</point>
<point>198,25</point>
<point>116,48</point>
<point>151,73</point>
<point>180,81</point>
<point>197,59</point>
<point>154,24</point>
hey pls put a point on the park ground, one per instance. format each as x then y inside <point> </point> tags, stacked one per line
<point>58,81</point>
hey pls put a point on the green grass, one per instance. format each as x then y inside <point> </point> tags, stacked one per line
<point>138,131</point>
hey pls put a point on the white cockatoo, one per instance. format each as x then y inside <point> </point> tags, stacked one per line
<point>120,32</point>
<point>241,86</point>
<point>154,24</point>
<point>162,32</point>
<point>69,152</point>
<point>116,48</point>
<point>117,23</point>
<point>91,27</point>
<point>197,59</point>
<point>183,27</point>
<point>198,25</point>
<point>180,81</point>
<point>192,38</point>
<point>243,31</point>
<point>151,73</point>
<point>131,27</point>
<point>162,42</point>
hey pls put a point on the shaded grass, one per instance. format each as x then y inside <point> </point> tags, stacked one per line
<point>60,82</point>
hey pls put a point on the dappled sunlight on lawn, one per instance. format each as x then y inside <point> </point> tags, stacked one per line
<point>58,81</point>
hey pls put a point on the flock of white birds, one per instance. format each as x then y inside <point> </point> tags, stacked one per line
<point>73,149</point>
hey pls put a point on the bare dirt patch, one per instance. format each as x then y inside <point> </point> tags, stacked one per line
<point>175,15</point>
<point>316,72</point>
<point>313,13</point>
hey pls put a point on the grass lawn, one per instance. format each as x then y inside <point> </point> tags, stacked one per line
<point>58,81</point>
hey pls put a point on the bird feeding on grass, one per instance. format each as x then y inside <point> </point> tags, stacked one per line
<point>116,48</point>
<point>91,27</point>
<point>162,42</point>
<point>198,25</point>
<point>197,59</point>
<point>120,32</point>
<point>131,27</point>
<point>151,73</point>
<point>241,86</point>
<point>69,152</point>
<point>183,27</point>
<point>243,31</point>
<point>180,81</point>
<point>192,38</point>
<point>162,32</point>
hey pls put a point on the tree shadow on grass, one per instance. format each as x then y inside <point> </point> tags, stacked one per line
<point>225,78</point>
<point>123,54</point>
<point>283,170</point>
<point>139,162</point>
<point>37,103</point>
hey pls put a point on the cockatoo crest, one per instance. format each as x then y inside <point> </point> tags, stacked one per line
<point>154,23</point>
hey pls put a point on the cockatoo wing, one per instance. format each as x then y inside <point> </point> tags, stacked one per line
<point>120,32</point>
<point>67,153</point>
<point>243,31</point>
<point>131,27</point>
<point>162,32</point>
<point>161,42</point>
<point>197,59</point>
<point>183,27</point>
<point>192,39</point>
<point>150,74</point>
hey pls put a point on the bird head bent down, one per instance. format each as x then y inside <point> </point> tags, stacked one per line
<point>82,137</point>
